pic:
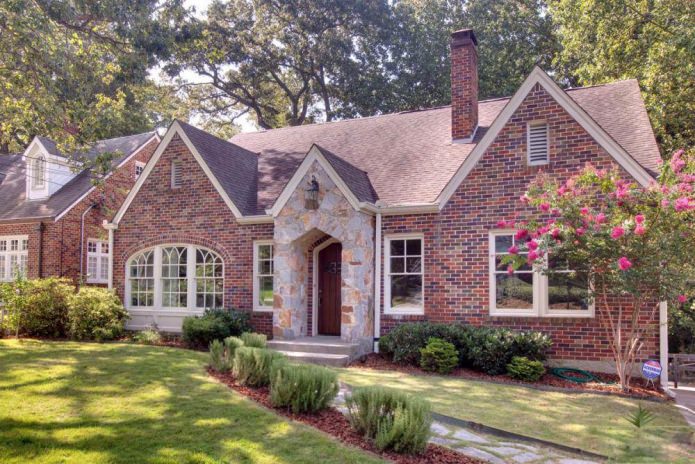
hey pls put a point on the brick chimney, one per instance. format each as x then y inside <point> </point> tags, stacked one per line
<point>464,85</point>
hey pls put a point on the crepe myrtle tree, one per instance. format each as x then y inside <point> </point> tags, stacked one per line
<point>634,245</point>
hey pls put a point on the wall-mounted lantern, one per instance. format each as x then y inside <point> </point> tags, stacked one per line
<point>311,195</point>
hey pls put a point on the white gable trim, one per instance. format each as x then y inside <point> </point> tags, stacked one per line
<point>538,76</point>
<point>314,155</point>
<point>119,166</point>
<point>174,129</point>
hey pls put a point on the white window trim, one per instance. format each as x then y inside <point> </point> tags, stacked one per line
<point>528,142</point>
<point>99,255</point>
<point>540,291</point>
<point>38,182</point>
<point>9,275</point>
<point>403,310</point>
<point>191,307</point>
<point>256,287</point>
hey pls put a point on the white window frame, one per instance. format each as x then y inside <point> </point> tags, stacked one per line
<point>256,276</point>
<point>38,181</point>
<point>403,310</point>
<point>191,307</point>
<point>528,142</point>
<point>540,291</point>
<point>100,255</point>
<point>139,165</point>
<point>21,254</point>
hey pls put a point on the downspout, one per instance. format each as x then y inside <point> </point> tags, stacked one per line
<point>377,283</point>
<point>111,228</point>
<point>663,344</point>
<point>39,231</point>
<point>82,239</point>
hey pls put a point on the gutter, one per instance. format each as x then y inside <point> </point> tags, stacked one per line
<point>663,344</point>
<point>89,208</point>
<point>39,231</point>
<point>377,283</point>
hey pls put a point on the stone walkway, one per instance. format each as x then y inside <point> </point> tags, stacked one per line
<point>490,447</point>
<point>685,402</point>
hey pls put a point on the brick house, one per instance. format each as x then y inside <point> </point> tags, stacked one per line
<point>51,213</point>
<point>349,228</point>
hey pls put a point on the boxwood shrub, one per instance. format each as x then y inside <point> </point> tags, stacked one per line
<point>439,356</point>
<point>523,368</point>
<point>214,324</point>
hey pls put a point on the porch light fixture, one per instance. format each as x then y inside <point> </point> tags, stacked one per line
<point>311,197</point>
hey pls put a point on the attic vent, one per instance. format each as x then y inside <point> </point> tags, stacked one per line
<point>538,144</point>
<point>176,174</point>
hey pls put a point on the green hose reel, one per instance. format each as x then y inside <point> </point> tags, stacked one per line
<point>574,375</point>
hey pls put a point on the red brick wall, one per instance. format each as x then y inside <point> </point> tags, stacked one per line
<point>197,214</point>
<point>61,239</point>
<point>456,241</point>
<point>464,84</point>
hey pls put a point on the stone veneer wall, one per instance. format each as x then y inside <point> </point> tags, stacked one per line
<point>296,229</point>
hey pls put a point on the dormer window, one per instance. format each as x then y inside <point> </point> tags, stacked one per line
<point>537,144</point>
<point>39,172</point>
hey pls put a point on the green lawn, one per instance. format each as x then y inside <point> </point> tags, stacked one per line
<point>121,403</point>
<point>590,422</point>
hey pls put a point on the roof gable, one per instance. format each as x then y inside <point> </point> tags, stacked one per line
<point>539,77</point>
<point>233,181</point>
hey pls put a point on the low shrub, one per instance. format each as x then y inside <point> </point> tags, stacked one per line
<point>523,368</point>
<point>491,350</point>
<point>532,345</point>
<point>252,365</point>
<point>254,340</point>
<point>95,314</point>
<point>214,324</point>
<point>37,307</point>
<point>405,341</point>
<point>222,353</point>
<point>231,344</point>
<point>148,337</point>
<point>303,388</point>
<point>394,420</point>
<point>439,356</point>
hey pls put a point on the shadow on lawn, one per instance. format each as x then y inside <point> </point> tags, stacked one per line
<point>130,403</point>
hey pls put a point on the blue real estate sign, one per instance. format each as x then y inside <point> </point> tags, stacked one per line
<point>651,369</point>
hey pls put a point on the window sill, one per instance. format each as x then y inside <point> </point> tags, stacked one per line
<point>263,309</point>
<point>404,312</point>
<point>94,281</point>
<point>587,315</point>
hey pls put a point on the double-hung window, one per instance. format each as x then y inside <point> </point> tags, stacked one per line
<point>527,292</point>
<point>404,274</point>
<point>97,261</point>
<point>14,256</point>
<point>263,275</point>
<point>175,277</point>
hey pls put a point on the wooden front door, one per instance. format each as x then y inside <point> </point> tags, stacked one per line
<point>329,289</point>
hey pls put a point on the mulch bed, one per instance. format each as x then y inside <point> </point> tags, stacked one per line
<point>639,387</point>
<point>334,423</point>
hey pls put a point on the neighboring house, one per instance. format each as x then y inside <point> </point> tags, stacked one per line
<point>51,212</point>
<point>351,227</point>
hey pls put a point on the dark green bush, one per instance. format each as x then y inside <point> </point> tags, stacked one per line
<point>492,349</point>
<point>46,311</point>
<point>523,368</point>
<point>439,356</point>
<point>214,324</point>
<point>252,365</point>
<point>394,420</point>
<point>95,314</point>
<point>404,342</point>
<point>254,340</point>
<point>302,387</point>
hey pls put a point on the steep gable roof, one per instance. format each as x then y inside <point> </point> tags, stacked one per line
<point>13,203</point>
<point>409,157</point>
<point>356,179</point>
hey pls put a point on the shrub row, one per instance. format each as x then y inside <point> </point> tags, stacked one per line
<point>214,324</point>
<point>484,348</point>
<point>52,307</point>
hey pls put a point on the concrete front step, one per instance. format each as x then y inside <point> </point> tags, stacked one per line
<point>336,360</point>
<point>314,346</point>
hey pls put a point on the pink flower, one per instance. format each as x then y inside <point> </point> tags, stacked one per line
<point>524,198</point>
<point>532,245</point>
<point>555,212</point>
<point>513,250</point>
<point>555,233</point>
<point>501,223</point>
<point>665,203</point>
<point>676,162</point>
<point>584,211</point>
<point>682,204</point>
<point>640,230</point>
<point>622,192</point>
<point>510,269</point>
<point>685,188</point>
<point>639,219</point>
<point>580,231</point>
<point>624,264</point>
<point>532,256</point>
<point>562,190</point>
<point>600,218</point>
<point>520,234</point>
<point>682,298</point>
<point>617,232</point>
<point>543,230</point>
<point>545,207</point>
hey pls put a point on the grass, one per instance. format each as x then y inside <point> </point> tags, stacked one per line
<point>590,422</point>
<point>121,403</point>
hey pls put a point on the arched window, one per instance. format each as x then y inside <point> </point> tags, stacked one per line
<point>175,277</point>
<point>39,172</point>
